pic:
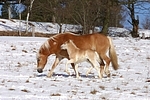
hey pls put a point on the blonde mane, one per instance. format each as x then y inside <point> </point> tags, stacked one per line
<point>73,44</point>
<point>46,45</point>
<point>57,36</point>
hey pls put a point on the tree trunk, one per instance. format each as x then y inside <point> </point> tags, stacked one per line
<point>105,27</point>
<point>135,22</point>
<point>28,14</point>
<point>106,19</point>
<point>9,12</point>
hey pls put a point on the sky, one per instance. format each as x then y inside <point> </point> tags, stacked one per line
<point>142,11</point>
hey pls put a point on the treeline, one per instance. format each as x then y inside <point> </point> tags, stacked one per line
<point>87,13</point>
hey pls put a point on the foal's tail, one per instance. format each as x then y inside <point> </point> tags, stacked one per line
<point>113,55</point>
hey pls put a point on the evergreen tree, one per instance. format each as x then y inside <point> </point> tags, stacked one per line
<point>4,11</point>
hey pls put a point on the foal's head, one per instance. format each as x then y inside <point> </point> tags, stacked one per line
<point>69,45</point>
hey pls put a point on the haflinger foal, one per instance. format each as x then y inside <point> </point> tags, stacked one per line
<point>77,55</point>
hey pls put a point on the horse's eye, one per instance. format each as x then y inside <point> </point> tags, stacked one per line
<point>38,59</point>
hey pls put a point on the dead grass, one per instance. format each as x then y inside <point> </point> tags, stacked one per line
<point>57,94</point>
<point>11,89</point>
<point>94,91</point>
<point>25,90</point>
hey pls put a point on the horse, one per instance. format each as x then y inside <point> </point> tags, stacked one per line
<point>77,55</point>
<point>96,41</point>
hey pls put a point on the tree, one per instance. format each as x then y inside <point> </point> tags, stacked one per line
<point>28,14</point>
<point>4,11</point>
<point>9,9</point>
<point>134,21</point>
<point>146,22</point>
<point>131,5</point>
<point>87,13</point>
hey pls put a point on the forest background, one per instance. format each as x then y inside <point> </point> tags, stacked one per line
<point>131,14</point>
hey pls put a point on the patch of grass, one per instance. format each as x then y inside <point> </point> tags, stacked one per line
<point>25,51</point>
<point>102,87</point>
<point>94,91</point>
<point>11,89</point>
<point>147,57</point>
<point>25,90</point>
<point>133,93</point>
<point>117,88</point>
<point>57,94</point>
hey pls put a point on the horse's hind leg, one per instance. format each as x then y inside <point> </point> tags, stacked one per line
<point>76,70</point>
<point>97,68</point>
<point>101,66</point>
<point>107,60</point>
<point>56,62</point>
<point>94,64</point>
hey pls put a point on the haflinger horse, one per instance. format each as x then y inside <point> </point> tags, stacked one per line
<point>77,55</point>
<point>96,41</point>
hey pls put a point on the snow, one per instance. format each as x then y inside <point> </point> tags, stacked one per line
<point>40,27</point>
<point>53,28</point>
<point>145,32</point>
<point>20,80</point>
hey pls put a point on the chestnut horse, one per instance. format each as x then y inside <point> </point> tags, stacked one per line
<point>77,55</point>
<point>98,42</point>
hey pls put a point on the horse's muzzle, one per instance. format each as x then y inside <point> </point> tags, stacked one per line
<point>40,70</point>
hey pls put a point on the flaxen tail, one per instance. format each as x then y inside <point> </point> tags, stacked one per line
<point>113,55</point>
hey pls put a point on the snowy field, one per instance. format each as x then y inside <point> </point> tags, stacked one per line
<point>19,79</point>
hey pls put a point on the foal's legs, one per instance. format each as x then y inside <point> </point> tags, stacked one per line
<point>97,68</point>
<point>89,70</point>
<point>94,64</point>
<point>76,70</point>
<point>76,67</point>
<point>69,62</point>
<point>101,63</point>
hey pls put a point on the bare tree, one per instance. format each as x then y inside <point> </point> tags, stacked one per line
<point>146,22</point>
<point>28,14</point>
<point>135,21</point>
<point>131,5</point>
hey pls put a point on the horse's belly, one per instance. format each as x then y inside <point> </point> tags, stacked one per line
<point>81,59</point>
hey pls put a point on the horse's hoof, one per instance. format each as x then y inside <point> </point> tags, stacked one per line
<point>108,75</point>
<point>49,76</point>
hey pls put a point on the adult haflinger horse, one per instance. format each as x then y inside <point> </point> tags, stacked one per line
<point>77,55</point>
<point>98,42</point>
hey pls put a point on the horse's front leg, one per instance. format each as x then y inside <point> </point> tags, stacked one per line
<point>66,70</point>
<point>56,62</point>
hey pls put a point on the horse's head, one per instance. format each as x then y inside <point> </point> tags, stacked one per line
<point>67,44</point>
<point>41,62</point>
<point>42,56</point>
<point>48,47</point>
<point>64,46</point>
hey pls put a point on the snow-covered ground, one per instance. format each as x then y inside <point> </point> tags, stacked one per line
<point>40,27</point>
<point>19,79</point>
